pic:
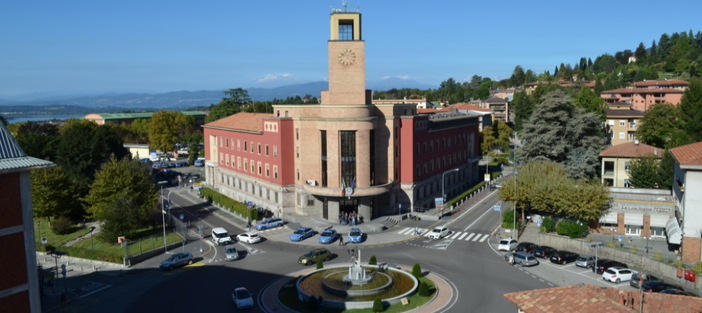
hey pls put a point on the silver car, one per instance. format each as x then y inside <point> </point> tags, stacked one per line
<point>586,261</point>
<point>176,260</point>
<point>230,253</point>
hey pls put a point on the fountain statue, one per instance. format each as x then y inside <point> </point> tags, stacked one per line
<point>357,272</point>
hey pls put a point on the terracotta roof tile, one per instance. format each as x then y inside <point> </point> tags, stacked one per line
<point>468,106</point>
<point>643,90</point>
<point>432,110</point>
<point>630,149</point>
<point>624,113</point>
<point>241,121</point>
<point>688,154</point>
<point>662,82</point>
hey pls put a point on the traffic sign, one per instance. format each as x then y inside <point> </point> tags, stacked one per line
<point>43,240</point>
<point>182,217</point>
<point>63,270</point>
<point>620,237</point>
<point>249,204</point>
<point>497,208</point>
<point>487,177</point>
<point>538,222</point>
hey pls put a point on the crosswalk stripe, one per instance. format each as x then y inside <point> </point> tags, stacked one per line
<point>484,237</point>
<point>476,237</point>
<point>471,236</point>
<point>404,231</point>
<point>461,238</point>
<point>424,232</point>
<point>455,235</point>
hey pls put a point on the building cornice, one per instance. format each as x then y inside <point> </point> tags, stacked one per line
<point>234,130</point>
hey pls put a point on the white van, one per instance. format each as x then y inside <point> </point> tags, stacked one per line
<point>220,236</point>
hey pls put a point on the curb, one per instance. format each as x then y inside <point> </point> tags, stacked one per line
<point>70,258</point>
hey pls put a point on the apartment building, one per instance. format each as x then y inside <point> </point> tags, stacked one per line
<point>622,122</point>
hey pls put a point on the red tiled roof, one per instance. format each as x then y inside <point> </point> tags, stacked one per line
<point>468,106</point>
<point>241,121</point>
<point>643,90</point>
<point>661,82</point>
<point>431,110</point>
<point>400,100</point>
<point>630,149</point>
<point>688,154</point>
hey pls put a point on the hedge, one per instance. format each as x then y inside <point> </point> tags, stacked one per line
<point>465,194</point>
<point>229,203</point>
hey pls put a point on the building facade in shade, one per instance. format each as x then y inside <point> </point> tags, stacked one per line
<point>345,154</point>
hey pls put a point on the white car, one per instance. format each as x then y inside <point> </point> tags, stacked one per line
<point>250,237</point>
<point>507,244</point>
<point>617,274</point>
<point>242,298</point>
<point>438,232</point>
<point>220,236</point>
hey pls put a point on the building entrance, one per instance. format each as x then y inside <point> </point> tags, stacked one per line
<point>348,206</point>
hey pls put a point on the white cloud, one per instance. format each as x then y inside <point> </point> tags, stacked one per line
<point>385,77</point>
<point>406,77</point>
<point>274,77</point>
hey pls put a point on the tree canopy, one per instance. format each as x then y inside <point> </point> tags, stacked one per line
<point>643,172</point>
<point>238,97</point>
<point>691,110</point>
<point>38,139</point>
<point>54,194</point>
<point>165,127</point>
<point>658,124</point>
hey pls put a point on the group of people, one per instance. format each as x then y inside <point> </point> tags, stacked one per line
<point>346,218</point>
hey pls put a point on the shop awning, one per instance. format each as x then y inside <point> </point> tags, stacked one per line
<point>659,220</point>
<point>672,229</point>
<point>609,218</point>
<point>633,219</point>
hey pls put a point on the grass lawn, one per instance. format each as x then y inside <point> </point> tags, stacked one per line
<point>51,238</point>
<point>288,296</point>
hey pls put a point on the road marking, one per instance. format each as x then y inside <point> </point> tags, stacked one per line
<point>406,230</point>
<point>481,216</point>
<point>94,291</point>
<point>471,208</point>
<point>443,245</point>
<point>485,237</point>
<point>476,238</point>
<point>471,236</point>
<point>455,235</point>
<point>461,238</point>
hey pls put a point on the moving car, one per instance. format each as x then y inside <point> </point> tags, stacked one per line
<point>527,247</point>
<point>230,253</point>
<point>586,261</point>
<point>355,236</point>
<point>563,257</point>
<point>617,274</point>
<point>507,244</point>
<point>242,298</point>
<point>438,232</point>
<point>637,280</point>
<point>313,256</point>
<point>525,259</point>
<point>270,223</point>
<point>658,286</point>
<point>301,233</point>
<point>249,237</point>
<point>220,236</point>
<point>544,252</point>
<point>601,267</point>
<point>328,236</point>
<point>178,259</point>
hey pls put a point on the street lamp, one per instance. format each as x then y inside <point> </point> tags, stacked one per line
<point>514,201</point>
<point>595,246</point>
<point>91,238</point>
<point>443,196</point>
<point>57,255</point>
<point>163,215</point>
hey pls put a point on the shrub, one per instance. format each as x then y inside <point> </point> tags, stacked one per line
<point>373,261</point>
<point>698,267</point>
<point>464,195</point>
<point>548,224</point>
<point>61,226</point>
<point>508,219</point>
<point>312,304</point>
<point>417,271</point>
<point>677,263</point>
<point>378,305</point>
<point>320,265</point>
<point>612,244</point>
<point>657,256</point>
<point>571,229</point>
<point>229,204</point>
<point>423,289</point>
<point>48,248</point>
<point>633,248</point>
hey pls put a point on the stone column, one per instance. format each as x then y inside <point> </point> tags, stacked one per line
<point>646,229</point>
<point>621,229</point>
<point>333,209</point>
<point>364,208</point>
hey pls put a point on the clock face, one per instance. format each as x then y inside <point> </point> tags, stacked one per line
<point>347,57</point>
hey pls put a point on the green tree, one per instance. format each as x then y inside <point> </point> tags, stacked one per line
<point>228,106</point>
<point>320,265</point>
<point>658,124</point>
<point>488,140</point>
<point>666,171</point>
<point>537,95</point>
<point>54,194</point>
<point>641,53</point>
<point>163,131</point>
<point>523,106</point>
<point>373,260</point>
<point>417,271</point>
<point>193,153</point>
<point>691,109</point>
<point>591,102</point>
<point>38,139</point>
<point>598,86</point>
<point>140,128</point>
<point>423,289</point>
<point>643,171</point>
<point>378,305</point>
<point>518,76</point>
<point>126,187</point>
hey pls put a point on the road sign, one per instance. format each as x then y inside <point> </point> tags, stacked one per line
<point>182,217</point>
<point>43,240</point>
<point>249,204</point>
<point>497,208</point>
<point>487,177</point>
<point>399,205</point>
<point>538,223</point>
<point>620,237</point>
<point>63,270</point>
<point>439,203</point>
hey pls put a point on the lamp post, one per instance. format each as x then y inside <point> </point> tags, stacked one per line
<point>91,238</point>
<point>163,215</point>
<point>596,246</point>
<point>514,200</point>
<point>443,196</point>
<point>647,239</point>
<point>57,255</point>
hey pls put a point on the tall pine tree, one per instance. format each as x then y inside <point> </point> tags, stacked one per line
<point>691,109</point>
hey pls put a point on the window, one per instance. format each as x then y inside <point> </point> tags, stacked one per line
<point>622,122</point>
<point>627,183</point>
<point>226,157</point>
<point>348,156</point>
<point>425,168</point>
<point>275,151</point>
<point>431,146</point>
<point>246,146</point>
<point>298,174</point>
<point>226,142</point>
<point>298,152</point>
<point>233,161</point>
<point>238,144</point>
<point>260,168</point>
<point>268,171</point>
<point>246,165</point>
<point>418,172</point>
<point>396,173</point>
<point>252,147</point>
<point>395,150</point>
<point>417,149</point>
<point>627,166</point>
<point>259,149</point>
<point>275,172</point>
<point>345,30</point>
<point>297,134</point>
<point>266,150</point>
<point>450,141</point>
<point>286,113</point>
<point>611,122</point>
<point>253,167</point>
<point>278,113</point>
<point>431,166</point>
<point>221,158</point>
<point>443,143</point>
<point>238,162</point>
<point>220,141</point>
<point>396,127</point>
<point>621,135</point>
<point>323,140</point>
<point>310,200</point>
<point>425,147</point>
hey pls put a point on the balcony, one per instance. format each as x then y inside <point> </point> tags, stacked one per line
<point>632,125</point>
<point>501,108</point>
<point>608,173</point>
<point>357,192</point>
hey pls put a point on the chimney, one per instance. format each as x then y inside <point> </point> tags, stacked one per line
<point>636,142</point>
<point>655,152</point>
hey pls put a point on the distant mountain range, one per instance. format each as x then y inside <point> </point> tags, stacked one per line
<point>179,100</point>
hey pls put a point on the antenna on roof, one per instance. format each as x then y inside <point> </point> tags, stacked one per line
<point>344,3</point>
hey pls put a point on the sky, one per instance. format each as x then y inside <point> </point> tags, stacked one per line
<point>53,48</point>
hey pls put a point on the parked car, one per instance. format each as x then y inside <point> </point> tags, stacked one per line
<point>617,274</point>
<point>301,233</point>
<point>658,286</point>
<point>601,267</point>
<point>599,264</point>
<point>242,298</point>
<point>230,253</point>
<point>679,292</point>
<point>314,256</point>
<point>509,254</point>
<point>178,259</point>
<point>438,232</point>
<point>355,236</point>
<point>220,236</point>
<point>586,261</point>
<point>527,247</point>
<point>270,223</point>
<point>564,257</point>
<point>544,252</point>
<point>507,244</point>
<point>328,236</point>
<point>525,259</point>
<point>199,163</point>
<point>250,237</point>
<point>637,280</point>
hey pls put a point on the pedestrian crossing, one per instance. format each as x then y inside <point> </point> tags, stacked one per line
<point>475,237</point>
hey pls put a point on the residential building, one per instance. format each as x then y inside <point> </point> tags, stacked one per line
<point>622,122</point>
<point>588,298</point>
<point>642,98</point>
<point>19,277</point>
<point>118,118</point>
<point>507,94</point>
<point>665,83</point>
<point>420,103</point>
<point>688,177</point>
<point>346,154</point>
<point>485,116</point>
<point>500,107</point>
<point>433,110</point>
<point>616,161</point>
<point>640,212</point>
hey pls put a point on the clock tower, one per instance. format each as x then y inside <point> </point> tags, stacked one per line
<point>347,61</point>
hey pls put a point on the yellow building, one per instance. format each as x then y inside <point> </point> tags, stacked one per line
<point>622,122</point>
<point>616,161</point>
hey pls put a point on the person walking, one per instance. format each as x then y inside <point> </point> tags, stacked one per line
<point>249,224</point>
<point>511,260</point>
<point>341,240</point>
<point>63,300</point>
<point>416,231</point>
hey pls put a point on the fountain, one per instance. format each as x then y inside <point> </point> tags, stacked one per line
<point>357,285</point>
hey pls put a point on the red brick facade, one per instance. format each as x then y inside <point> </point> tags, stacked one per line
<point>13,265</point>
<point>691,250</point>
<point>15,303</point>
<point>11,203</point>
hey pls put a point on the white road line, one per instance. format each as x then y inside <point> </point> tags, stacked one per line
<point>471,236</point>
<point>406,230</point>
<point>476,237</point>
<point>94,291</point>
<point>461,238</point>
<point>471,208</point>
<point>455,235</point>
<point>485,237</point>
<point>476,220</point>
